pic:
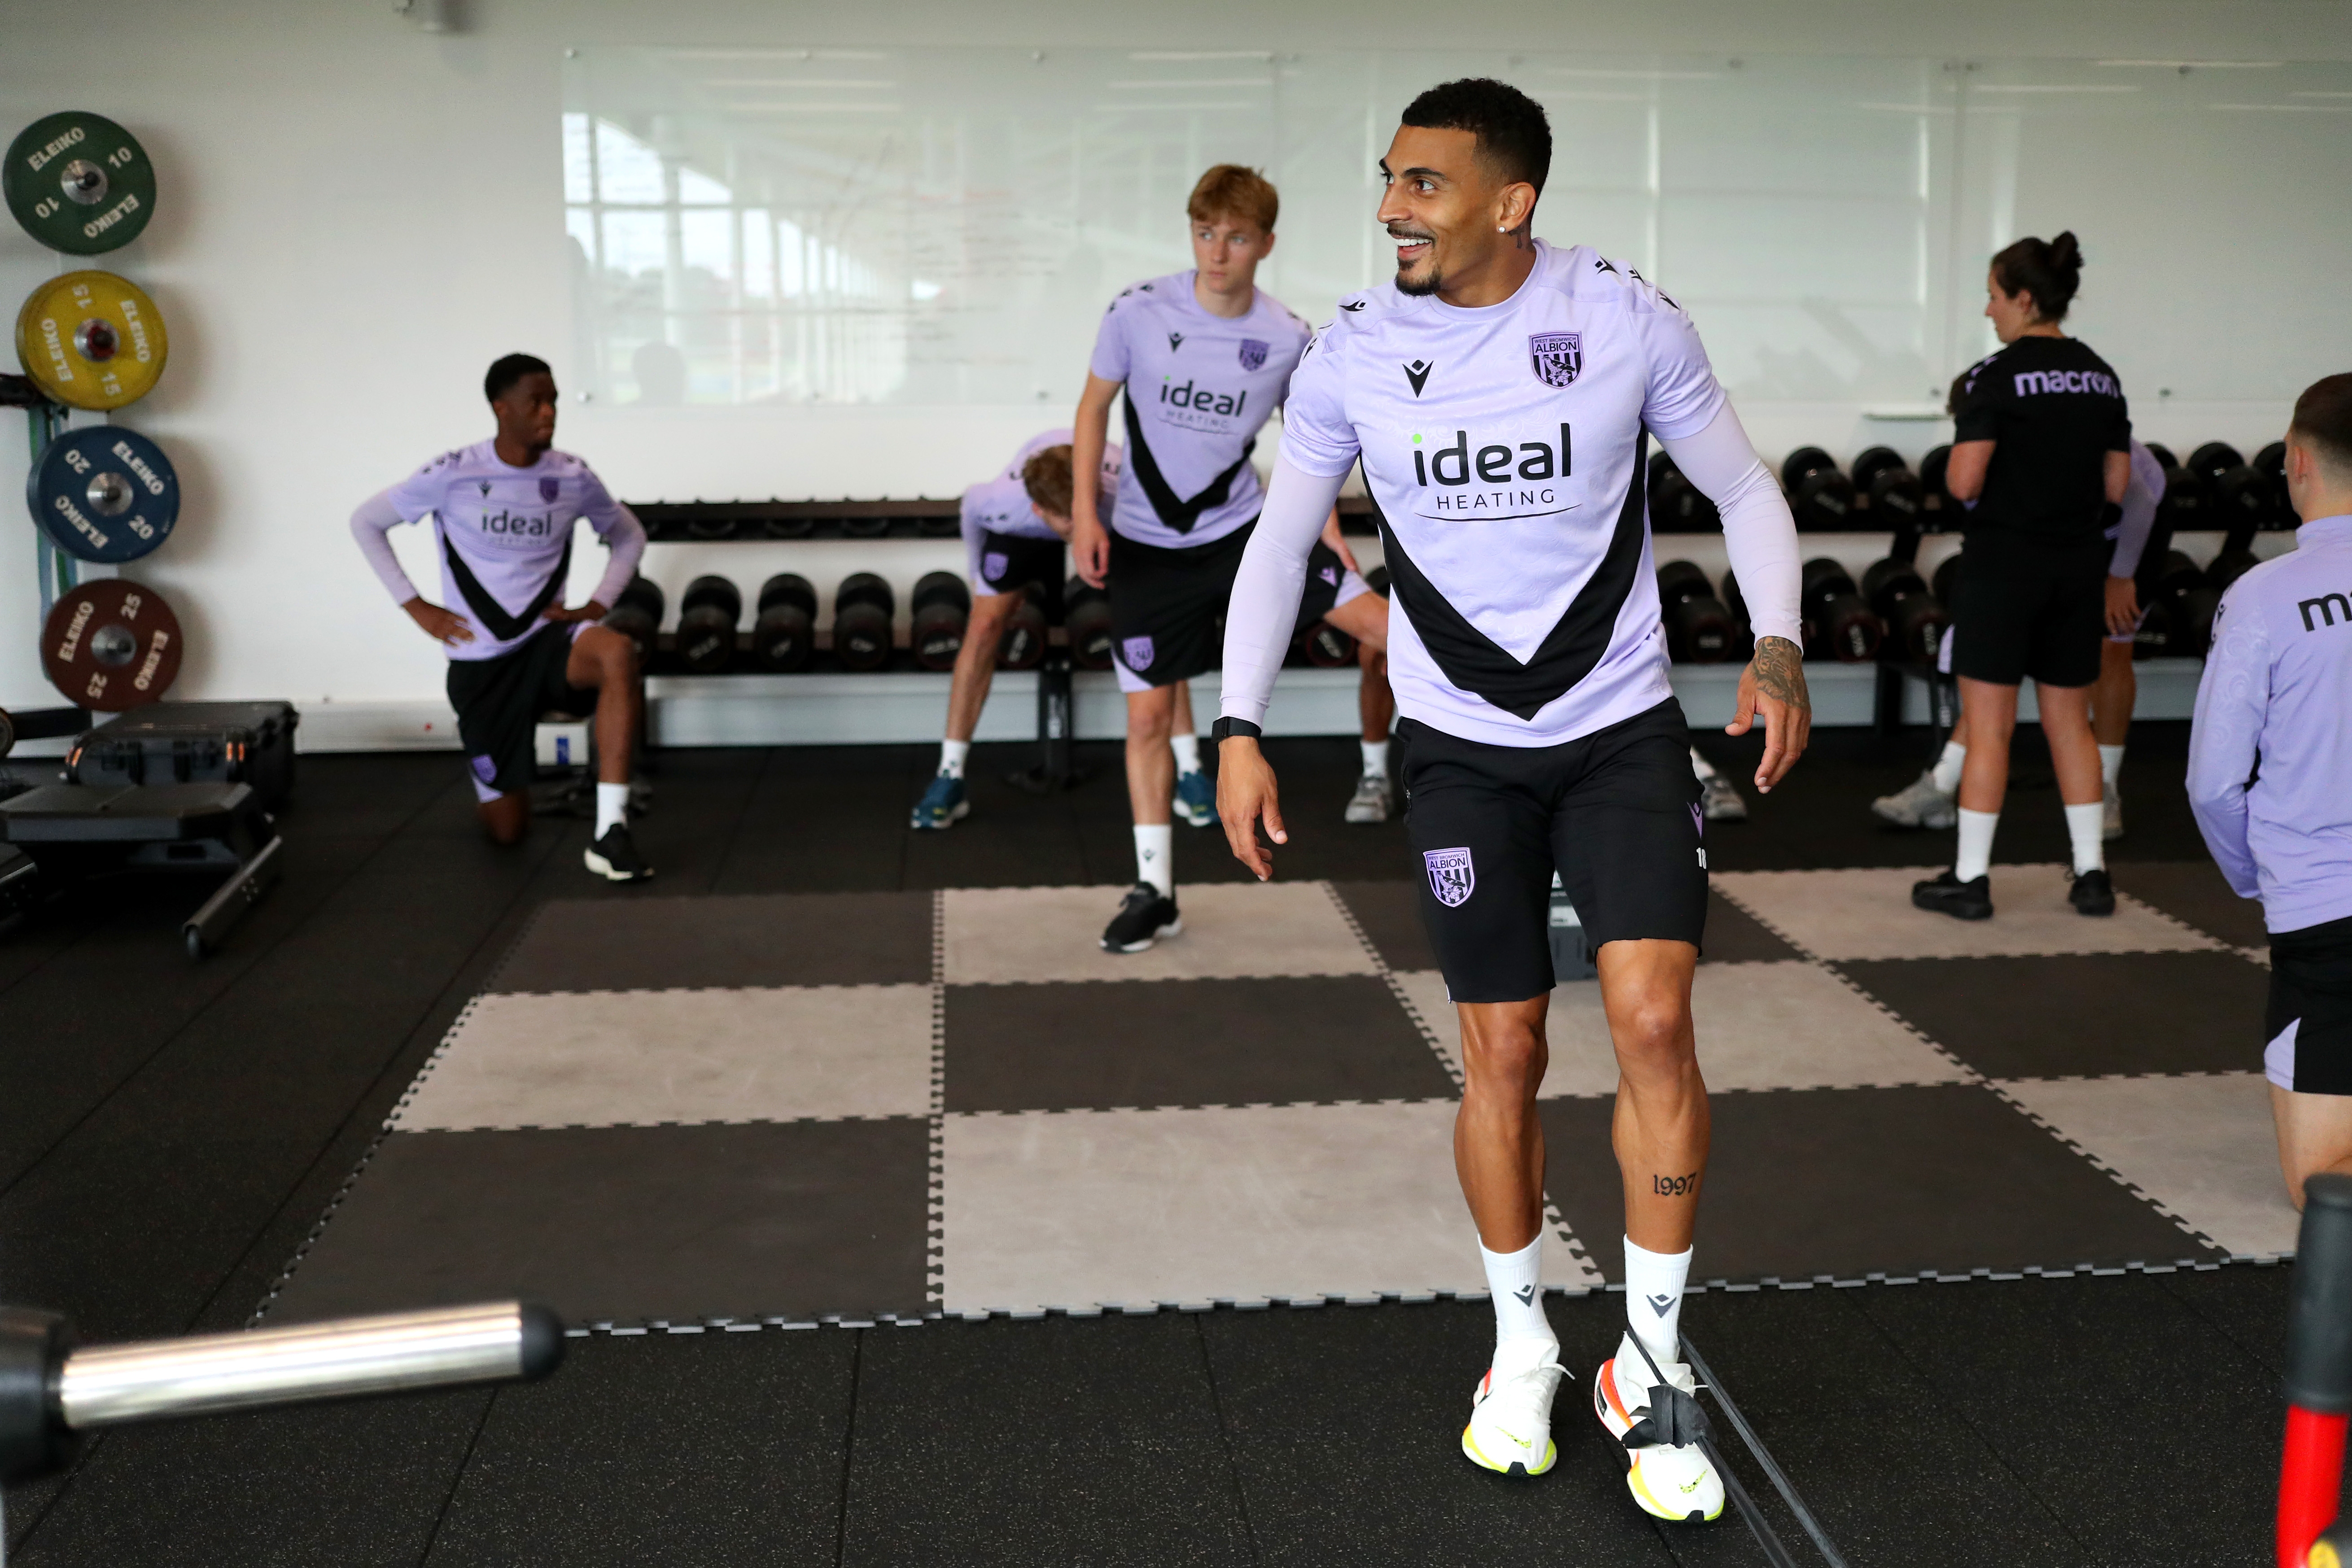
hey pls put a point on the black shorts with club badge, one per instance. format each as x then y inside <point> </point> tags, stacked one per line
<point>1168,606</point>
<point>1616,813</point>
<point>499,700</point>
<point>1010,563</point>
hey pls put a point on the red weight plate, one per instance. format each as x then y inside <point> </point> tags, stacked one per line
<point>110,645</point>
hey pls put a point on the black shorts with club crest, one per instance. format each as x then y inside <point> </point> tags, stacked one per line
<point>1168,606</point>
<point>1010,563</point>
<point>499,702</point>
<point>1616,813</point>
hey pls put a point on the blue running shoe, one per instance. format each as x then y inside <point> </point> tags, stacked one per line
<point>942,804</point>
<point>1196,799</point>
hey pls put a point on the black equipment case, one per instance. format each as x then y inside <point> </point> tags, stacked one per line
<point>193,742</point>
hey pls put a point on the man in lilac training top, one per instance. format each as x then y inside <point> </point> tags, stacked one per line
<point>503,513</point>
<point>2269,760</point>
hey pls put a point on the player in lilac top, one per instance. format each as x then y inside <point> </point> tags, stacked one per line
<point>1499,395</point>
<point>2269,756</point>
<point>502,513</point>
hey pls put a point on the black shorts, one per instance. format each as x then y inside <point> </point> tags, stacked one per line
<point>1168,606</point>
<point>2308,1029</point>
<point>1009,562</point>
<point>499,700</point>
<point>2022,608</point>
<point>1616,813</point>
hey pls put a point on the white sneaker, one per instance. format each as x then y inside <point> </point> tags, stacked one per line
<point>1675,1484</point>
<point>1918,804</point>
<point>2113,827</point>
<point>1372,800</point>
<point>1510,1413</point>
<point>1720,800</point>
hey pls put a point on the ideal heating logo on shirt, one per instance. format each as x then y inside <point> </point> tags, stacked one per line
<point>2029,382</point>
<point>521,525</point>
<point>1492,481</point>
<point>1201,399</point>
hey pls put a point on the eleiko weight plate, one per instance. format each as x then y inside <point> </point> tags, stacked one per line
<point>111,644</point>
<point>78,183</point>
<point>104,494</point>
<point>92,340</point>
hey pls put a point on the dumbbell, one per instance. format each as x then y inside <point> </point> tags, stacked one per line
<point>637,615</point>
<point>2241,495</point>
<point>1915,618</point>
<point>2227,567</point>
<point>1699,627</point>
<point>705,625</point>
<point>862,609</point>
<point>2271,463</point>
<point>2193,614</point>
<point>1325,645</point>
<point>2155,635</point>
<point>1023,646</point>
<point>1743,631</point>
<point>1086,616</point>
<point>2163,454</point>
<point>942,608</point>
<point>1946,583</point>
<point>2183,603</point>
<point>1819,494</point>
<point>1838,621</point>
<point>1935,498</point>
<point>1675,504</point>
<point>1893,490</point>
<point>785,635</point>
<point>2182,508</point>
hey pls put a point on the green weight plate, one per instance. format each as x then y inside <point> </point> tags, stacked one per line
<point>78,183</point>
<point>92,340</point>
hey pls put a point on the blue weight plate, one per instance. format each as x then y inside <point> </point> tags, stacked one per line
<point>104,494</point>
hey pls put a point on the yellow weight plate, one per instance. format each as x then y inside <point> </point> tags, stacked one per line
<point>92,340</point>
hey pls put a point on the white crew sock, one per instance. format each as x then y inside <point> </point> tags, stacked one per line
<point>1376,759</point>
<point>1975,858</point>
<point>1701,766</point>
<point>1155,847</point>
<point>1516,1280</point>
<point>612,807</point>
<point>1188,753</point>
<point>2111,763</point>
<point>1654,1300</point>
<point>2086,830</point>
<point>1948,767</point>
<point>951,756</point>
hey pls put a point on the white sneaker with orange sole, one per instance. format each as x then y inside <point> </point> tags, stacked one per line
<point>1677,1483</point>
<point>1510,1413</point>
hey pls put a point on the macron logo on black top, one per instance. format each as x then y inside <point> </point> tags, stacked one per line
<point>1417,372</point>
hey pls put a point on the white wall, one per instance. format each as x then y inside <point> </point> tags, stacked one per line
<point>355,217</point>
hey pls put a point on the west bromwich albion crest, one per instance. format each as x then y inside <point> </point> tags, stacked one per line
<point>1450,876</point>
<point>1557,356</point>
<point>1253,354</point>
<point>1138,653</point>
<point>550,488</point>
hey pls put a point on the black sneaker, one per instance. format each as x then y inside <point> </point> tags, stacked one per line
<point>1948,895</point>
<point>1144,917</point>
<point>2092,894</point>
<point>617,859</point>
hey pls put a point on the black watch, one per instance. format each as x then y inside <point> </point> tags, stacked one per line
<point>1225,730</point>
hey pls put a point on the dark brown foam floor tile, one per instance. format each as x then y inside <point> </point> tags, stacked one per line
<point>2081,1013</point>
<point>1854,1182</point>
<point>1390,913</point>
<point>2197,892</point>
<point>1117,1042</point>
<point>631,1224</point>
<point>747,940</point>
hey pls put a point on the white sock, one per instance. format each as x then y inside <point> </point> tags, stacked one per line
<point>1654,1300</point>
<point>2111,763</point>
<point>612,807</point>
<point>1975,858</point>
<point>1188,753</point>
<point>1701,766</point>
<point>1376,759</point>
<point>1155,847</point>
<point>2085,829</point>
<point>951,756</point>
<point>1516,1280</point>
<point>1947,766</point>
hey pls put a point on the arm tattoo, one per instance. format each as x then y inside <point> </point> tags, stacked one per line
<point>1780,673</point>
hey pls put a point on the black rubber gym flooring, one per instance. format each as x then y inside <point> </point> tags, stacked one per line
<point>169,1134</point>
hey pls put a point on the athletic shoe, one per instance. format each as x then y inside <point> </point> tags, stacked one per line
<point>1196,799</point>
<point>2113,827</point>
<point>1918,805</point>
<point>1373,801</point>
<point>1720,799</point>
<point>615,858</point>
<point>2092,894</point>
<point>1510,1412</point>
<point>1144,916</point>
<point>1669,1483</point>
<point>943,803</point>
<point>1948,895</point>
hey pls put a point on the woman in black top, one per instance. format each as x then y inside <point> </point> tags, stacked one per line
<point>2041,455</point>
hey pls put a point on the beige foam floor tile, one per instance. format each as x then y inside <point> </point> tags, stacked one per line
<point>2201,1146</point>
<point>1867,913</point>
<point>636,1057</point>
<point>1760,1026</point>
<point>1231,930</point>
<point>1128,1207</point>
